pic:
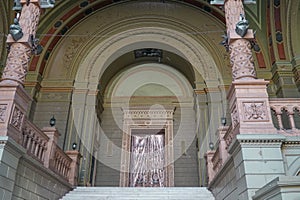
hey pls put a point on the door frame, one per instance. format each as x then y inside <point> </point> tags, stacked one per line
<point>145,118</point>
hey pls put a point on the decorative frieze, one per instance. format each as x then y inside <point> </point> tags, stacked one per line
<point>148,114</point>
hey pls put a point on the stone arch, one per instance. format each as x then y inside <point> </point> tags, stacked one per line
<point>293,28</point>
<point>93,66</point>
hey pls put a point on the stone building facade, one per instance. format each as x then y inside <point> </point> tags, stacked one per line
<point>218,81</point>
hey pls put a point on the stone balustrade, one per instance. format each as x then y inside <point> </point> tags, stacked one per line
<point>42,146</point>
<point>287,116</point>
<point>34,141</point>
<point>217,158</point>
<point>60,163</point>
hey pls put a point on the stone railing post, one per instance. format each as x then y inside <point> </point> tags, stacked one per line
<point>222,144</point>
<point>74,168</point>
<point>209,165</point>
<point>53,135</point>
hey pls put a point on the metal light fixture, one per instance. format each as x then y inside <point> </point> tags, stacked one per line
<point>52,121</point>
<point>17,5</point>
<point>223,121</point>
<point>211,146</point>
<point>47,3</point>
<point>74,146</point>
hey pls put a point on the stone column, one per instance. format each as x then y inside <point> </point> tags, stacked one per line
<point>256,148</point>
<point>248,97</point>
<point>20,50</point>
<point>14,99</point>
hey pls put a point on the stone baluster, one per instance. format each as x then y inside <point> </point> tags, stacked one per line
<point>279,119</point>
<point>209,164</point>
<point>290,113</point>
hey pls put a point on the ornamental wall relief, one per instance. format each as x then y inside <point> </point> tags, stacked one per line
<point>255,111</point>
<point>17,118</point>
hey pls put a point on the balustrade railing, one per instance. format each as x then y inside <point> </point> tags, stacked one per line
<point>42,146</point>
<point>35,141</point>
<point>286,117</point>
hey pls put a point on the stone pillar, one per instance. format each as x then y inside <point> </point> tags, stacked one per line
<point>239,46</point>
<point>210,172</point>
<point>73,174</point>
<point>10,153</point>
<point>256,148</point>
<point>249,107</point>
<point>53,135</point>
<point>20,50</point>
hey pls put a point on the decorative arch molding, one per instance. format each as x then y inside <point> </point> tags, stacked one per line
<point>149,73</point>
<point>67,14</point>
<point>293,29</point>
<point>93,66</point>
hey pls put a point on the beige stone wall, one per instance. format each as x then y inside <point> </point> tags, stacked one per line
<point>35,182</point>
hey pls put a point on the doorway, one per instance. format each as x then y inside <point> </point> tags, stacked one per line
<point>147,159</point>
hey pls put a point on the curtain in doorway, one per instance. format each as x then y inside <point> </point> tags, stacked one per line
<point>147,161</point>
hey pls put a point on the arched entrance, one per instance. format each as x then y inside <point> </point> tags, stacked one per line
<point>109,56</point>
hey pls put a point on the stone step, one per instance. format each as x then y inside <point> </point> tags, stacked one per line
<point>130,193</point>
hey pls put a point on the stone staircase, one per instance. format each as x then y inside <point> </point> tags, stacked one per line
<point>130,193</point>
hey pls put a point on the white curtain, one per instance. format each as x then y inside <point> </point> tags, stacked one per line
<point>147,161</point>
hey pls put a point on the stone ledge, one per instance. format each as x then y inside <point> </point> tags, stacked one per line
<point>279,187</point>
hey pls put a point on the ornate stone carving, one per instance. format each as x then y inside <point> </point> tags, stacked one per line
<point>255,111</point>
<point>235,117</point>
<point>20,52</point>
<point>239,48</point>
<point>30,18</point>
<point>71,50</point>
<point>3,108</point>
<point>241,59</point>
<point>233,10</point>
<point>148,114</point>
<point>17,118</point>
<point>17,62</point>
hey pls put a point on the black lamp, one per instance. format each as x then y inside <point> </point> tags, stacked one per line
<point>223,121</point>
<point>211,146</point>
<point>52,121</point>
<point>74,146</point>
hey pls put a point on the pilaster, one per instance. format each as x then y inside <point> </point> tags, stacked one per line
<point>284,77</point>
<point>296,71</point>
